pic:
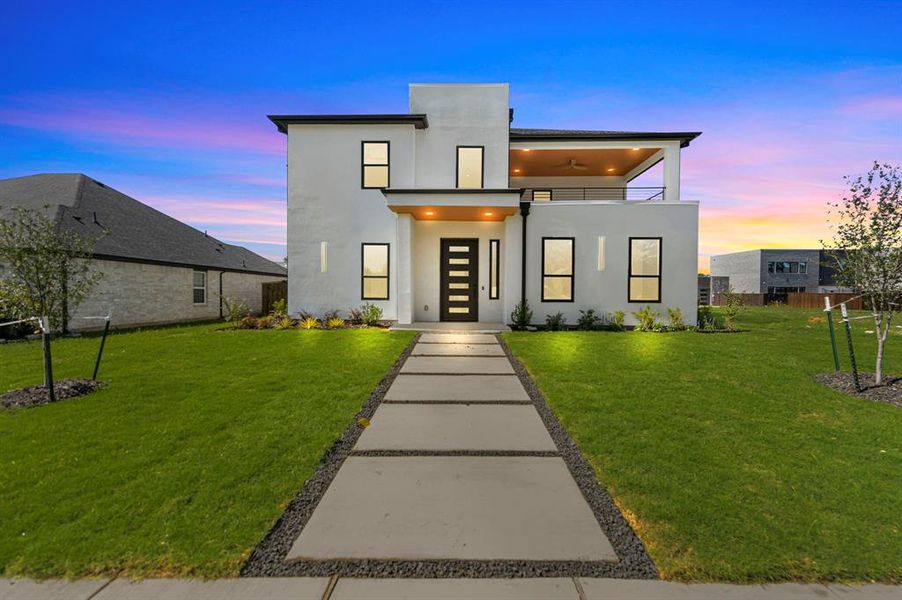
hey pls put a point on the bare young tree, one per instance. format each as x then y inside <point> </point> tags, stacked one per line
<point>45,268</point>
<point>867,244</point>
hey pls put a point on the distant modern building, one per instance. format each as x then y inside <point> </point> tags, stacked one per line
<point>155,269</point>
<point>777,271</point>
<point>709,287</point>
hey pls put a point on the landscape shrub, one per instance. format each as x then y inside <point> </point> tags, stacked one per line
<point>555,322</point>
<point>521,316</point>
<point>589,320</point>
<point>331,314</point>
<point>247,322</point>
<point>646,318</point>
<point>675,316</point>
<point>284,323</point>
<point>708,319</point>
<point>618,318</point>
<point>732,306</point>
<point>308,322</point>
<point>355,316</point>
<point>280,308</point>
<point>335,323</point>
<point>265,322</point>
<point>370,314</point>
<point>236,309</point>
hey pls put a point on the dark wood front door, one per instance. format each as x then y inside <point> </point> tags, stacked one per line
<point>459,280</point>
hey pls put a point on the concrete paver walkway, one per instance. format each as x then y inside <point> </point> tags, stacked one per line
<point>521,503</point>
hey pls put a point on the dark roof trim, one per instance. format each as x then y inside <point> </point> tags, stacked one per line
<point>163,263</point>
<point>283,121</point>
<point>452,191</point>
<point>685,137</point>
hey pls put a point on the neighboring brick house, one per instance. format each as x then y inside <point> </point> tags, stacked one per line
<point>776,271</point>
<point>155,269</point>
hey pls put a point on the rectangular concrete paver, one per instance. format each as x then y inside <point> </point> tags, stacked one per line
<point>456,427</point>
<point>266,588</point>
<point>455,589</point>
<point>458,365</point>
<point>458,338</point>
<point>452,507</point>
<point>457,350</point>
<point>425,388</point>
<point>51,589</point>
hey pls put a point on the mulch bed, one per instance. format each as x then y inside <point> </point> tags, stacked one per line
<point>890,392</point>
<point>36,395</point>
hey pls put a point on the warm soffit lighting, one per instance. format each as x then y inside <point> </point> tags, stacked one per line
<point>429,213</point>
<point>635,149</point>
<point>488,214</point>
<point>525,149</point>
<point>611,170</point>
<point>516,170</point>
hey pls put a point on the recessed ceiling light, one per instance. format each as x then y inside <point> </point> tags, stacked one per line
<point>516,170</point>
<point>611,170</point>
<point>488,214</point>
<point>525,149</point>
<point>634,149</point>
<point>429,213</point>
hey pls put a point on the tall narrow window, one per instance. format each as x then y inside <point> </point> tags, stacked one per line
<point>557,269</point>
<point>470,164</point>
<point>645,270</point>
<point>374,271</point>
<point>199,287</point>
<point>494,268</point>
<point>375,157</point>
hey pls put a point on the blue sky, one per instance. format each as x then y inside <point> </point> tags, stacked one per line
<point>167,102</point>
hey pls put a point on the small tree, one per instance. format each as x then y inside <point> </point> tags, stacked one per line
<point>732,306</point>
<point>867,229</point>
<point>45,268</point>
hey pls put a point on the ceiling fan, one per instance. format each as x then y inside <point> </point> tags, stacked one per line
<point>573,165</point>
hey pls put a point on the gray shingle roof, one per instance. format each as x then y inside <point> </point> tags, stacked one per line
<point>133,231</point>
<point>685,137</point>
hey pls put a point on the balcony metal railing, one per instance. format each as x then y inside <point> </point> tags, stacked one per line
<point>636,194</point>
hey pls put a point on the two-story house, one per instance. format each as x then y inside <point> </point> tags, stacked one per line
<point>447,213</point>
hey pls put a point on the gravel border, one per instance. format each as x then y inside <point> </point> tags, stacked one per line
<point>267,559</point>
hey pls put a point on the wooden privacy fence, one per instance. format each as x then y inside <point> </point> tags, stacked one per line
<point>815,300</point>
<point>272,292</point>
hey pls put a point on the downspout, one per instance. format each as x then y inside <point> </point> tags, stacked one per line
<point>524,212</point>
<point>220,295</point>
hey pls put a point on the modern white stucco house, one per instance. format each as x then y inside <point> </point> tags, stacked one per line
<point>448,214</point>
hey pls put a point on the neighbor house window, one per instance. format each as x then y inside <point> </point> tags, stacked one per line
<point>470,165</point>
<point>541,195</point>
<point>645,270</point>
<point>557,269</point>
<point>374,271</point>
<point>494,268</point>
<point>791,267</point>
<point>200,287</point>
<point>375,165</point>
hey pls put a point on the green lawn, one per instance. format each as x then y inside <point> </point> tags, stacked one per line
<point>187,457</point>
<point>728,459</point>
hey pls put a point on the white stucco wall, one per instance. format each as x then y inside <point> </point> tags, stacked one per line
<point>461,115</point>
<point>426,263</point>
<point>144,294</point>
<point>326,204</point>
<point>606,291</point>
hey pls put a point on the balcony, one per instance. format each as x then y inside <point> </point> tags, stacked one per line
<point>609,194</point>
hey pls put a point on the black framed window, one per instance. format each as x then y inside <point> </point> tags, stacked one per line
<point>374,170</point>
<point>494,269</point>
<point>541,195</point>
<point>199,287</point>
<point>374,271</point>
<point>558,258</point>
<point>645,270</point>
<point>470,167</point>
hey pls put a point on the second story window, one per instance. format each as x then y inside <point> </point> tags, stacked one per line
<point>470,165</point>
<point>374,173</point>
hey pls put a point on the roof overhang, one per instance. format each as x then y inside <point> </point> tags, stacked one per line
<point>419,121</point>
<point>454,204</point>
<point>684,137</point>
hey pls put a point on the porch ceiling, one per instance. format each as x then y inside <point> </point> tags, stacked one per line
<point>455,213</point>
<point>598,161</point>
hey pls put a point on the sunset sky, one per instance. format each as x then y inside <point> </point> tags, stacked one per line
<point>168,103</point>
